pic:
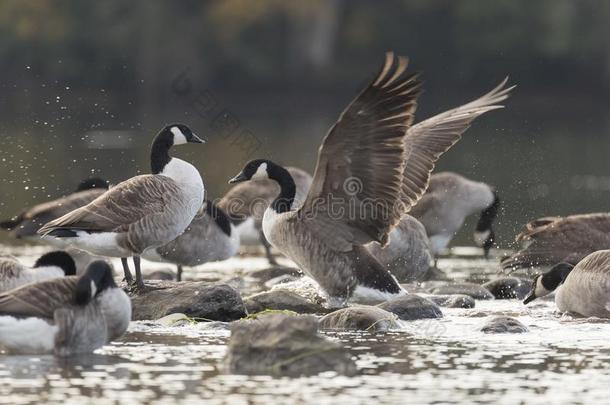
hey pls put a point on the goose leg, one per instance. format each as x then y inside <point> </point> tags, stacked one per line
<point>139,279</point>
<point>267,247</point>
<point>128,276</point>
<point>179,273</point>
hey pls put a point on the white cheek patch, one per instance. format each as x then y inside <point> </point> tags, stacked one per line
<point>261,172</point>
<point>540,290</point>
<point>481,237</point>
<point>93,289</point>
<point>179,137</point>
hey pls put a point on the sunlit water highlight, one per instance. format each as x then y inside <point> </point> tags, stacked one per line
<point>560,360</point>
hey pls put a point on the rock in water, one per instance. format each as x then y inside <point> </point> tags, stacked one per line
<point>198,300</point>
<point>361,317</point>
<point>453,300</point>
<point>279,299</point>
<point>503,324</point>
<point>284,345</point>
<point>509,287</point>
<point>264,275</point>
<point>411,307</point>
<point>474,290</point>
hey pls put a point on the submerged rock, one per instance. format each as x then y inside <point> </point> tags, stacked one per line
<point>453,300</point>
<point>411,307</point>
<point>503,324</point>
<point>509,287</point>
<point>434,273</point>
<point>264,275</point>
<point>284,345</point>
<point>474,290</point>
<point>165,275</point>
<point>279,299</point>
<point>198,300</point>
<point>361,317</point>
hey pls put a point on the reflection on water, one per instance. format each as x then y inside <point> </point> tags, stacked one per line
<point>561,360</point>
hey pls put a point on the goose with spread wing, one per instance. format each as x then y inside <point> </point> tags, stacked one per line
<point>370,171</point>
<point>141,213</point>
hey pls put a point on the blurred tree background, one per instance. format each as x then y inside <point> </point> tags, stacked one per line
<point>284,70</point>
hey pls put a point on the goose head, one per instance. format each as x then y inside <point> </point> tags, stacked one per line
<point>96,279</point>
<point>484,236</point>
<point>258,169</point>
<point>93,182</point>
<point>170,135</point>
<point>548,282</point>
<point>57,259</point>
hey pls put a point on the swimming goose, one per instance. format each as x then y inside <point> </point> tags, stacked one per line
<point>408,254</point>
<point>26,224</point>
<point>210,237</point>
<point>141,213</point>
<point>246,204</point>
<point>370,172</point>
<point>451,198</point>
<point>551,240</point>
<point>583,289</point>
<point>48,266</point>
<point>65,315</point>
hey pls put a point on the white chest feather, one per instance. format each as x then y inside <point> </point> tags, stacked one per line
<point>184,173</point>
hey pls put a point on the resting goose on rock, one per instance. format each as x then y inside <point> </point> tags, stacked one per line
<point>370,171</point>
<point>210,237</point>
<point>141,213</point>
<point>28,222</point>
<point>65,315</point>
<point>551,240</point>
<point>449,200</point>
<point>583,289</point>
<point>48,266</point>
<point>246,203</point>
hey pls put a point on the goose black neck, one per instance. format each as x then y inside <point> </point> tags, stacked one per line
<point>556,276</point>
<point>488,215</point>
<point>288,189</point>
<point>159,152</point>
<point>219,216</point>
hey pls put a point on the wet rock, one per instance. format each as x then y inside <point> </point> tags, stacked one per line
<point>503,324</point>
<point>284,345</point>
<point>361,317</point>
<point>199,300</point>
<point>474,290</point>
<point>286,278</point>
<point>264,275</point>
<point>434,273</point>
<point>279,299</point>
<point>411,307</point>
<point>453,300</point>
<point>165,275</point>
<point>509,287</point>
<point>174,320</point>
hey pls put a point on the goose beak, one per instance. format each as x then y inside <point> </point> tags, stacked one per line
<point>239,178</point>
<point>531,297</point>
<point>196,139</point>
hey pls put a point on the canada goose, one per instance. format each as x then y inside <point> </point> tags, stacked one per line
<point>246,204</point>
<point>551,240</point>
<point>583,289</point>
<point>408,254</point>
<point>26,224</point>
<point>210,237</point>
<point>50,265</point>
<point>451,198</point>
<point>66,315</point>
<point>370,171</point>
<point>141,213</point>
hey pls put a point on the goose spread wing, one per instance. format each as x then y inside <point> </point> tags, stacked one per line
<point>38,299</point>
<point>357,182</point>
<point>428,140</point>
<point>126,203</point>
